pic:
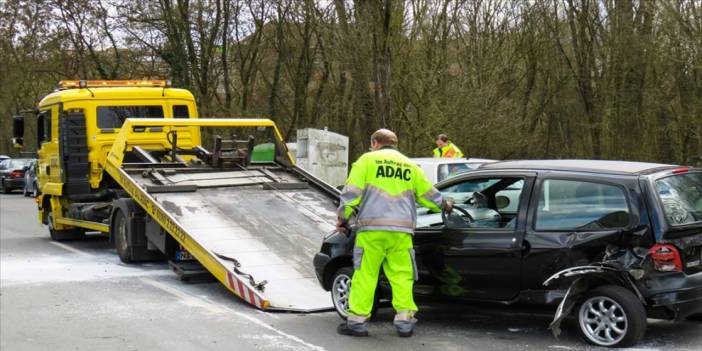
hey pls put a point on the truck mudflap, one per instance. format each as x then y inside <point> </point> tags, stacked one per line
<point>619,267</point>
<point>255,228</point>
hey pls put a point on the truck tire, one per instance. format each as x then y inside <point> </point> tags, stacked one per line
<point>340,289</point>
<point>126,232</point>
<point>120,234</point>
<point>611,316</point>
<point>63,234</point>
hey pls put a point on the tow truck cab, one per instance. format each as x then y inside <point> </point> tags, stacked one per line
<point>76,127</point>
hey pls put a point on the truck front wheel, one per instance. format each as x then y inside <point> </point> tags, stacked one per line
<point>62,234</point>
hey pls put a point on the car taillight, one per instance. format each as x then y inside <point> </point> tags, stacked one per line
<point>16,174</point>
<point>666,258</point>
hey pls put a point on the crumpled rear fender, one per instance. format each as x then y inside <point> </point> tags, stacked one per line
<point>582,279</point>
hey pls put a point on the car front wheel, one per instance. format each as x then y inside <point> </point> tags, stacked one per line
<point>611,316</point>
<point>341,290</point>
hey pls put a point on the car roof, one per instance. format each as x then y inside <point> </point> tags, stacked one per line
<point>595,166</point>
<point>438,161</point>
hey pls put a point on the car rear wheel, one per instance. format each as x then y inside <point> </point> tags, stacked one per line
<point>611,316</point>
<point>341,290</point>
<point>63,234</point>
<point>6,189</point>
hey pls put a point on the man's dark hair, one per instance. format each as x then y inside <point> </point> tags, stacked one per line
<point>443,137</point>
<point>384,137</point>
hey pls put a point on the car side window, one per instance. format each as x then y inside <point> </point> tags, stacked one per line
<point>490,202</point>
<point>581,205</point>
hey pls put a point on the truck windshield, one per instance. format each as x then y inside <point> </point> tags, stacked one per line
<point>114,116</point>
<point>681,196</point>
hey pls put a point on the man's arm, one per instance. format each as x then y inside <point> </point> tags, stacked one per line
<point>427,196</point>
<point>352,194</point>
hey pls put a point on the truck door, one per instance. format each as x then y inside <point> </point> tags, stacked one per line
<point>484,236</point>
<point>48,167</point>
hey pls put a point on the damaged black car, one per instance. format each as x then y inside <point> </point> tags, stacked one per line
<point>608,243</point>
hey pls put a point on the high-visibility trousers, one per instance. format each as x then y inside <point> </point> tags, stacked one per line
<point>395,253</point>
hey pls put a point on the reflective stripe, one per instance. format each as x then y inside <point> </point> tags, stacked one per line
<point>387,228</point>
<point>357,257</point>
<point>382,209</point>
<point>385,222</point>
<point>414,264</point>
<point>349,193</point>
<point>434,196</point>
<point>356,319</point>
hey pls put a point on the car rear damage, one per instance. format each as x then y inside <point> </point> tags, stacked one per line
<point>666,277</point>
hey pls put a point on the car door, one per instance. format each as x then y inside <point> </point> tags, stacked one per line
<point>572,219</point>
<point>481,258</point>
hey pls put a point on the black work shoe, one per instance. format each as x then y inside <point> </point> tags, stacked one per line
<point>344,329</point>
<point>405,334</point>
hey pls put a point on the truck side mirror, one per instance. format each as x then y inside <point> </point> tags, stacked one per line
<point>18,131</point>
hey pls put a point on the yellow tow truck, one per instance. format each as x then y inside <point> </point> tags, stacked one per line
<point>128,159</point>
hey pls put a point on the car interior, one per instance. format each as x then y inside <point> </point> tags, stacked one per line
<point>480,203</point>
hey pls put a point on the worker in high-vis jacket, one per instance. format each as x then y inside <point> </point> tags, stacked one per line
<point>445,148</point>
<point>384,188</point>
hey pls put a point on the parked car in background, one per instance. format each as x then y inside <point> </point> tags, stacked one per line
<point>30,180</point>
<point>4,157</point>
<point>438,169</point>
<point>12,173</point>
<point>610,242</point>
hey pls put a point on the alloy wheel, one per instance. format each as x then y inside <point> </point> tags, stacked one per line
<point>341,288</point>
<point>603,320</point>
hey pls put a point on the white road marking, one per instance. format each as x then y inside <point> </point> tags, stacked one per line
<point>191,300</point>
<point>71,249</point>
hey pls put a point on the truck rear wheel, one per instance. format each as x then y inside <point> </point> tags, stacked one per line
<point>120,233</point>
<point>63,234</point>
<point>125,232</point>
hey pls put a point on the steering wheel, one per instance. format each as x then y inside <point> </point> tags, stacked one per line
<point>463,220</point>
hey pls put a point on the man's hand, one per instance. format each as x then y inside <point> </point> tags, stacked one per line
<point>448,205</point>
<point>342,227</point>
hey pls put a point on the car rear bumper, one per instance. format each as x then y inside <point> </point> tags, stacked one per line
<point>680,295</point>
<point>13,183</point>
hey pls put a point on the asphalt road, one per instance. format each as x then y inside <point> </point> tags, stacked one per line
<point>79,296</point>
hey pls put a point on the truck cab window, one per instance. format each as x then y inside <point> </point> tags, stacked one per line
<point>181,111</point>
<point>114,116</point>
<point>43,127</point>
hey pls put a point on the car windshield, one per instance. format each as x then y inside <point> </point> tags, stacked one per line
<point>16,163</point>
<point>681,196</point>
<point>449,170</point>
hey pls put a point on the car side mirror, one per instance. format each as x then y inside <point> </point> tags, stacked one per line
<point>17,131</point>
